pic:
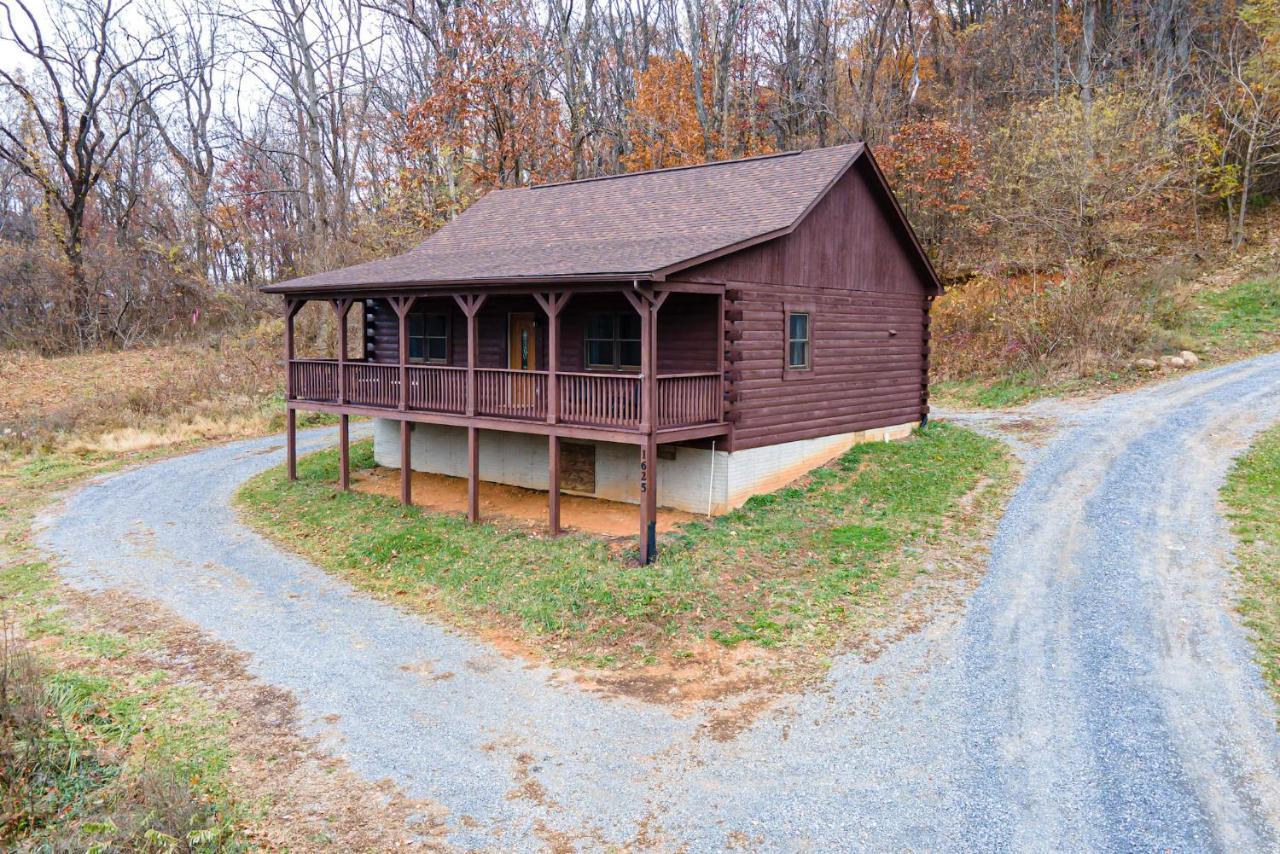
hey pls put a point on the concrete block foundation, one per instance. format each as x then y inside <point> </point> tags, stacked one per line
<point>696,480</point>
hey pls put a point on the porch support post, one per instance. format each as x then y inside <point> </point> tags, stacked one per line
<point>553,484</point>
<point>344,451</point>
<point>291,309</point>
<point>473,474</point>
<point>401,306</point>
<point>552,303</point>
<point>406,472</point>
<point>648,499</point>
<point>471,305</point>
<point>647,303</point>
<point>291,440</point>
<point>341,307</point>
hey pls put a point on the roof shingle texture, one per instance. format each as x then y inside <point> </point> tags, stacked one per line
<point>613,227</point>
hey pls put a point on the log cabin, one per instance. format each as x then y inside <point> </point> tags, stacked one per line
<point>686,337</point>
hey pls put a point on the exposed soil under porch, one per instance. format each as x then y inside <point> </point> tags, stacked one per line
<point>499,501</point>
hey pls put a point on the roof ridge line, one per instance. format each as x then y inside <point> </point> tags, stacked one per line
<point>792,153</point>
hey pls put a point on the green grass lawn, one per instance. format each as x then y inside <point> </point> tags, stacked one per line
<point>1242,319</point>
<point>789,569</point>
<point>1252,493</point>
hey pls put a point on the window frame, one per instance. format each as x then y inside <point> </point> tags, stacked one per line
<point>790,371</point>
<point>615,341</point>
<point>422,317</point>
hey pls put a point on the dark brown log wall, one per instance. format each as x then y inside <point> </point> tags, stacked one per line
<point>850,266</point>
<point>687,330</point>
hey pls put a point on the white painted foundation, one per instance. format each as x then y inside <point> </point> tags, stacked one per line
<point>690,482</point>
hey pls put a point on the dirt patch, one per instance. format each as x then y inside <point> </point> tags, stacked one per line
<point>446,494</point>
<point>707,671</point>
<point>307,799</point>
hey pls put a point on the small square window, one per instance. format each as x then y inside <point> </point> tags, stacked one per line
<point>798,342</point>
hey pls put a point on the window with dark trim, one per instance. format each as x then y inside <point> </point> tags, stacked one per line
<point>798,341</point>
<point>613,341</point>
<point>428,338</point>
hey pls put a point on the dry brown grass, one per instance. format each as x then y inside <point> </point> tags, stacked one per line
<point>114,402</point>
<point>1020,333</point>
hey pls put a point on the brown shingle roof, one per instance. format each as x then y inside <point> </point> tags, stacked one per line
<point>638,225</point>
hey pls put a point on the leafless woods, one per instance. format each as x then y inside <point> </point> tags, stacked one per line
<point>158,160</point>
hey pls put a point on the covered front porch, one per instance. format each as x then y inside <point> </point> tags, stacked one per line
<point>633,364</point>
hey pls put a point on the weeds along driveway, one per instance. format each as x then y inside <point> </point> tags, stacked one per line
<point>1095,694</point>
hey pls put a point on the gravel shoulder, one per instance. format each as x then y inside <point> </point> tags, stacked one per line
<point>1097,693</point>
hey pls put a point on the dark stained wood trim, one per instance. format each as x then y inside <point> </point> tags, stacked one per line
<point>473,474</point>
<point>678,287</point>
<point>344,452</point>
<point>539,428</point>
<point>406,469</point>
<point>341,308</point>
<point>291,442</point>
<point>402,306</point>
<point>553,302</point>
<point>585,283</point>
<point>648,499</point>
<point>553,484</point>
<point>687,434</point>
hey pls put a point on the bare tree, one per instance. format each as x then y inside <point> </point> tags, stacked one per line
<point>77,113</point>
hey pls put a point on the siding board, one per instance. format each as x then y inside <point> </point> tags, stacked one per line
<point>866,294</point>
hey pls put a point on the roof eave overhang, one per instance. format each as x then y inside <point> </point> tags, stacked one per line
<point>461,284</point>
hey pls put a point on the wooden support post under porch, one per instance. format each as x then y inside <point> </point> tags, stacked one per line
<point>291,309</point>
<point>553,302</point>
<point>470,304</point>
<point>647,303</point>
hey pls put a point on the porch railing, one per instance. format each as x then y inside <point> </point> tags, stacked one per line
<point>437,388</point>
<point>600,400</point>
<point>370,384</point>
<point>506,393</point>
<point>586,399</point>
<point>314,379</point>
<point>688,399</point>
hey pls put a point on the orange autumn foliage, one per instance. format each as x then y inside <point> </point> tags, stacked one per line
<point>665,130</point>
<point>486,113</point>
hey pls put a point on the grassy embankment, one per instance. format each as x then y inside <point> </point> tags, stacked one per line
<point>1219,324</point>
<point>848,548</point>
<point>94,754</point>
<point>1252,494</point>
<point>99,747</point>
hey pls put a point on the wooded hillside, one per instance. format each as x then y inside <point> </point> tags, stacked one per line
<point>160,160</point>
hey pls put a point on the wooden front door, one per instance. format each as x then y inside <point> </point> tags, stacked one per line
<point>522,355</point>
<point>522,344</point>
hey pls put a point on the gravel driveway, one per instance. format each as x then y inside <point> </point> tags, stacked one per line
<point>1096,693</point>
